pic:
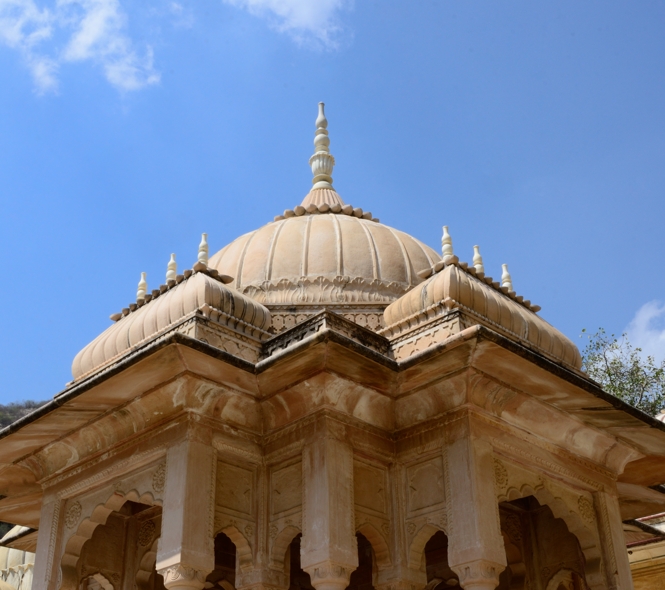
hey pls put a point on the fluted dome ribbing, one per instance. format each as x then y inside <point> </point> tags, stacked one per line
<point>324,258</point>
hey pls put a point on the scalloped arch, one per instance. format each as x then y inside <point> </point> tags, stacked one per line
<point>586,537</point>
<point>566,577</point>
<point>146,567</point>
<point>280,545</point>
<point>102,581</point>
<point>417,546</point>
<point>243,548</point>
<point>378,543</point>
<point>98,516</point>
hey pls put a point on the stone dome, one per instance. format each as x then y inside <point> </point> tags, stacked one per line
<point>324,252</point>
<point>324,258</point>
<point>456,286</point>
<point>196,293</point>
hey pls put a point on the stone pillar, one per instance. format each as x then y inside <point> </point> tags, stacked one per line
<point>475,552</point>
<point>49,540</point>
<point>261,576</point>
<point>186,553</point>
<point>329,551</point>
<point>615,556</point>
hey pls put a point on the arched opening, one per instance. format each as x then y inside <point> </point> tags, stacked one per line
<point>565,579</point>
<point>112,557</point>
<point>298,578</point>
<point>363,575</point>
<point>439,574</point>
<point>147,577</point>
<point>223,577</point>
<point>538,547</point>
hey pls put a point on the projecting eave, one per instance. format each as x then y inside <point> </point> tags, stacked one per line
<point>358,354</point>
<point>329,344</point>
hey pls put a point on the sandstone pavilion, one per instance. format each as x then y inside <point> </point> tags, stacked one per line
<point>328,403</point>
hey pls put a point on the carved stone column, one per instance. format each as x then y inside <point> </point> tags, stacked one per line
<point>48,544</point>
<point>186,554</point>
<point>476,552</point>
<point>329,552</point>
<point>615,557</point>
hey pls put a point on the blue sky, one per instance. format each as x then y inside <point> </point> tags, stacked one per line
<point>536,130</point>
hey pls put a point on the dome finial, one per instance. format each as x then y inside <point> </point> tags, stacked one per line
<point>171,269</point>
<point>322,161</point>
<point>142,288</point>
<point>506,279</point>
<point>203,250</point>
<point>446,243</point>
<point>478,260</point>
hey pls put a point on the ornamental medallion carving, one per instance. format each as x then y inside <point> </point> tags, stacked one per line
<point>146,533</point>
<point>73,515</point>
<point>586,510</point>
<point>159,478</point>
<point>411,528</point>
<point>512,526</point>
<point>500,475</point>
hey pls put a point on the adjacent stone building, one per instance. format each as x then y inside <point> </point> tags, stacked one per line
<point>326,403</point>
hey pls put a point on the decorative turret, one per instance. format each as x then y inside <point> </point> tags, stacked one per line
<point>171,269</point>
<point>203,250</point>
<point>446,243</point>
<point>506,279</point>
<point>142,288</point>
<point>478,260</point>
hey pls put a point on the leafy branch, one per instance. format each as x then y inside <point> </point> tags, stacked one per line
<point>623,371</point>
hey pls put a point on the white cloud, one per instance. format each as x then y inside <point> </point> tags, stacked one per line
<point>304,20</point>
<point>647,330</point>
<point>93,30</point>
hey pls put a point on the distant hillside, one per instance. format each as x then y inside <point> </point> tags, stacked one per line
<point>12,412</point>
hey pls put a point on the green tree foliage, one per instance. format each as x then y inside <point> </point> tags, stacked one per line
<point>624,371</point>
<point>12,412</point>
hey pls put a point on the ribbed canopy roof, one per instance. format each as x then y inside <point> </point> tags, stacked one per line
<point>360,254</point>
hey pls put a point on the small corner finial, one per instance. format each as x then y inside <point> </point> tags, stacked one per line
<point>478,260</point>
<point>322,161</point>
<point>142,288</point>
<point>506,279</point>
<point>446,243</point>
<point>171,269</point>
<point>203,250</point>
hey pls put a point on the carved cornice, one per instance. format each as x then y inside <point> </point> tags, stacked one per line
<point>326,320</point>
<point>326,291</point>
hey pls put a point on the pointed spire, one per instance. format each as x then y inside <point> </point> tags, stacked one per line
<point>203,249</point>
<point>171,269</point>
<point>478,260</point>
<point>506,279</point>
<point>322,161</point>
<point>446,243</point>
<point>142,288</point>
